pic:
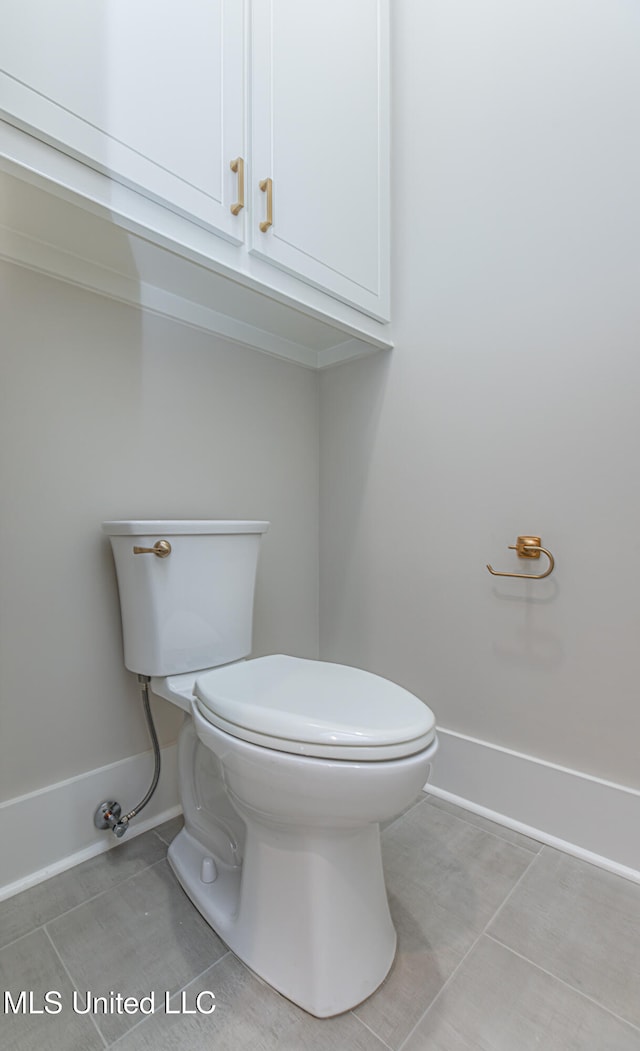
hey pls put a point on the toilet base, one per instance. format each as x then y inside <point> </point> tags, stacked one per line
<point>294,881</point>
<point>308,913</point>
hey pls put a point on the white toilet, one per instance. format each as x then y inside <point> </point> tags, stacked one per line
<point>286,766</point>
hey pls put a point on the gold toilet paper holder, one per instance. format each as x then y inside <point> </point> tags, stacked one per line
<point>527,547</point>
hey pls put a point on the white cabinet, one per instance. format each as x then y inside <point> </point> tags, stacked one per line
<point>319,131</point>
<point>135,111</point>
<point>150,92</point>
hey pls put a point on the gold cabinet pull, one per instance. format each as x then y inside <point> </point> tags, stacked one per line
<point>267,187</point>
<point>161,549</point>
<point>527,547</point>
<point>238,167</point>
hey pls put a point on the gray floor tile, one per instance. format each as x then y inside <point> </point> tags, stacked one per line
<point>499,1002</point>
<point>24,912</point>
<point>515,838</point>
<point>31,964</point>
<point>249,1016</point>
<point>447,875</point>
<point>420,798</point>
<point>168,830</point>
<point>146,936</point>
<point>580,923</point>
<point>446,879</point>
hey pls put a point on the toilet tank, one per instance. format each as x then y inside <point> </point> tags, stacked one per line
<point>192,609</point>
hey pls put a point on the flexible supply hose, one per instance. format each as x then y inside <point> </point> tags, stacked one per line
<point>108,813</point>
<point>121,826</point>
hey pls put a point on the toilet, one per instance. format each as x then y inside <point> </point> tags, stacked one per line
<point>286,766</point>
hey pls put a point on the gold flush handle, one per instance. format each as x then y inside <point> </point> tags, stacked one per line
<point>527,547</point>
<point>238,167</point>
<point>267,187</point>
<point>161,549</point>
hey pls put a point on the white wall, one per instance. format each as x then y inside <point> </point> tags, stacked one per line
<point>107,412</point>
<point>510,404</point>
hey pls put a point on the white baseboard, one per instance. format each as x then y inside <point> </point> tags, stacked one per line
<point>51,830</point>
<point>45,832</point>
<point>593,819</point>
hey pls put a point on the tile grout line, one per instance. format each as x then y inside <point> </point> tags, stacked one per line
<point>34,930</point>
<point>469,950</point>
<point>59,915</point>
<point>147,1018</point>
<point>489,832</point>
<point>536,857</point>
<point>353,1014</point>
<point>87,901</point>
<point>163,841</point>
<point>563,981</point>
<point>405,813</point>
<point>73,984</point>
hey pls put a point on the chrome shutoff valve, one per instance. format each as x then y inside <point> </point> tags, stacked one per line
<point>108,816</point>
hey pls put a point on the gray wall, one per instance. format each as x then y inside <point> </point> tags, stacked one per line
<point>511,402</point>
<point>509,406</point>
<point>108,412</point>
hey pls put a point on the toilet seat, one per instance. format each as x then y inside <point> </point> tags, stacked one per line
<point>314,708</point>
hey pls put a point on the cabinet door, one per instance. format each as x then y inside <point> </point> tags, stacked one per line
<point>139,90</point>
<point>320,132</point>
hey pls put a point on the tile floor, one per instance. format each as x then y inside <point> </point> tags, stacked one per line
<point>503,945</point>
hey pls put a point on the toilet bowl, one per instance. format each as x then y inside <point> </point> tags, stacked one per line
<point>286,767</point>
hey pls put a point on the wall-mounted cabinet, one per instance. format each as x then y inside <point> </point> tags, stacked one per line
<point>137,112</point>
<point>318,128</point>
<point>149,93</point>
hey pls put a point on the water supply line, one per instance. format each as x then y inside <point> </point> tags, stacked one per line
<point>109,814</point>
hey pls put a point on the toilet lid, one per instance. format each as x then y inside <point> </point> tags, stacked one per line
<point>314,708</point>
